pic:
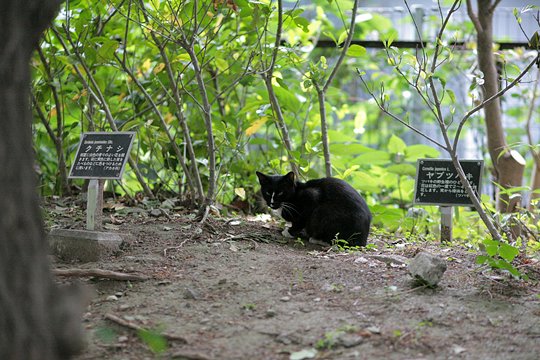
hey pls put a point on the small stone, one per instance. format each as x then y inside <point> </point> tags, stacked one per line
<point>222,281</point>
<point>155,213</point>
<point>427,268</point>
<point>456,349</point>
<point>112,298</point>
<point>119,294</point>
<point>270,313</point>
<point>123,339</point>
<point>190,294</point>
<point>374,329</point>
<point>350,340</point>
<point>285,298</point>
<point>327,287</point>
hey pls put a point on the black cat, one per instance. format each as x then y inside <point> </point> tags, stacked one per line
<point>326,208</point>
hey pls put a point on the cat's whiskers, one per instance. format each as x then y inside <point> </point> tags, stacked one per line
<point>289,207</point>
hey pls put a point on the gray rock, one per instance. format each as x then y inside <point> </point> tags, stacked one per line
<point>349,339</point>
<point>427,268</point>
<point>191,294</point>
<point>155,213</point>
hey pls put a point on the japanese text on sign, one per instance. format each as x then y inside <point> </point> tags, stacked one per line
<point>438,183</point>
<point>102,155</point>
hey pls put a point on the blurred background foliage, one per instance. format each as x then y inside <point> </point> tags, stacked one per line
<point>177,71</point>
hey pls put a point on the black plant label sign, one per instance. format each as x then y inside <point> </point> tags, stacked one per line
<point>102,155</point>
<point>438,183</point>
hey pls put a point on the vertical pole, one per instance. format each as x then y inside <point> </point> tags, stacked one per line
<point>446,223</point>
<point>91,204</point>
<point>94,205</point>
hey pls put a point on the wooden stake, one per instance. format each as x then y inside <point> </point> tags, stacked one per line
<point>94,205</point>
<point>446,223</point>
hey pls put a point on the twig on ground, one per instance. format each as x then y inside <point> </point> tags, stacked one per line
<point>166,214</point>
<point>252,237</point>
<point>175,247</point>
<point>130,325</point>
<point>106,274</point>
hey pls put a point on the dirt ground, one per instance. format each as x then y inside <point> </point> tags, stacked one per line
<point>233,288</point>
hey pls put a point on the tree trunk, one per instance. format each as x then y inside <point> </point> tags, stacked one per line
<point>535,185</point>
<point>508,164</point>
<point>36,319</point>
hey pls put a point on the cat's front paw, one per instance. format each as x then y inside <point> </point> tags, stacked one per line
<point>318,242</point>
<point>287,234</point>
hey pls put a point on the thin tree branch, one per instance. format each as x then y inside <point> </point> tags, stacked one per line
<point>493,97</point>
<point>474,17</point>
<point>346,45</point>
<point>100,99</point>
<point>398,119</point>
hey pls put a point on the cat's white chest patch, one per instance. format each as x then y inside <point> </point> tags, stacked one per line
<point>278,212</point>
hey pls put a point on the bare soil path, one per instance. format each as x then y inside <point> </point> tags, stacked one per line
<point>238,290</point>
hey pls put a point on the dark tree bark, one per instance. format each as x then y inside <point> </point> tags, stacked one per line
<point>36,318</point>
<point>508,164</point>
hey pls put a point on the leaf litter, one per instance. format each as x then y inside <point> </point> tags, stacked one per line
<point>228,265</point>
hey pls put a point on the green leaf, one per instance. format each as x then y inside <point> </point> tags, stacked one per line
<point>302,23</point>
<point>342,38</point>
<point>481,259</point>
<point>389,217</point>
<point>221,64</point>
<point>535,40</point>
<point>508,252</point>
<point>402,169</point>
<point>340,136</point>
<point>356,51</point>
<point>492,247</point>
<point>376,157</point>
<point>106,335</point>
<point>396,145</point>
<point>364,182</point>
<point>389,37</point>
<point>349,149</point>
<point>330,35</point>
<point>287,99</point>
<point>107,50</point>
<point>414,152</point>
<point>451,95</point>
<point>155,341</point>
<point>349,171</point>
<point>505,265</point>
<point>281,83</point>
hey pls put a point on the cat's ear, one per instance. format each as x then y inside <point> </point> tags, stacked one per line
<point>262,178</point>
<point>290,177</point>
